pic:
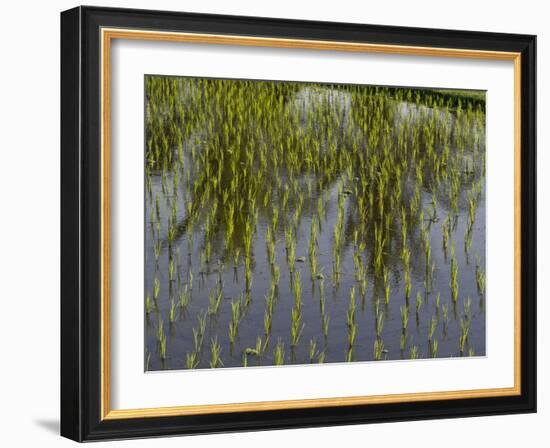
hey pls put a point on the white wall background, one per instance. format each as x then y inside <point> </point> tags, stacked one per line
<point>29,224</point>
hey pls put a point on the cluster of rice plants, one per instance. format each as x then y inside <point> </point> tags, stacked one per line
<point>291,223</point>
<point>352,327</point>
<point>297,327</point>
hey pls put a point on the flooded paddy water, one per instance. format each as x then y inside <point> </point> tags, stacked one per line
<point>297,223</point>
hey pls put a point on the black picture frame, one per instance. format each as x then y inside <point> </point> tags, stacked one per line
<point>81,224</point>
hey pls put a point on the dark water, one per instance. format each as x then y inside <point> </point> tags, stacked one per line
<point>220,272</point>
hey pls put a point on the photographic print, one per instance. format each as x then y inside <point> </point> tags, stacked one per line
<point>336,219</point>
<point>296,223</point>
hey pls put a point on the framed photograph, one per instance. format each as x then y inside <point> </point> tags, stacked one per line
<point>273,223</point>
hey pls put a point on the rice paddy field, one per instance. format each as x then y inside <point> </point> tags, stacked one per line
<point>296,223</point>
